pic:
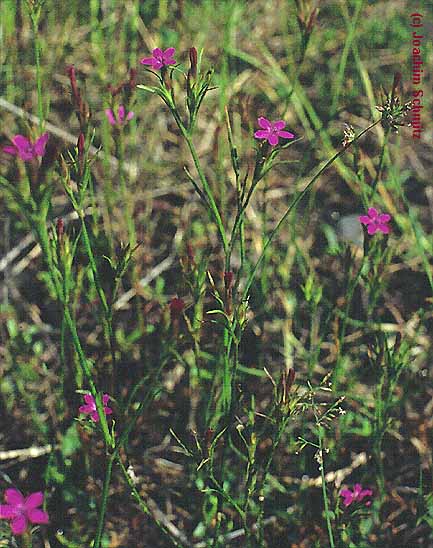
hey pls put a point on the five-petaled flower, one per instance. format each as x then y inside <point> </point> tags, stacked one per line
<point>25,149</point>
<point>90,406</point>
<point>357,495</point>
<point>272,131</point>
<point>160,58</point>
<point>22,511</point>
<point>375,221</point>
<point>120,119</point>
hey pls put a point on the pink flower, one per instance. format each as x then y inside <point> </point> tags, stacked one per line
<point>160,58</point>
<point>22,511</point>
<point>120,119</point>
<point>272,130</point>
<point>357,495</point>
<point>25,149</point>
<point>90,407</point>
<point>375,221</point>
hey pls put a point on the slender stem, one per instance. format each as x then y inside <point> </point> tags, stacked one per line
<point>103,507</point>
<point>324,493</point>
<point>35,15</point>
<point>41,231</point>
<point>380,167</point>
<point>212,204</point>
<point>349,296</point>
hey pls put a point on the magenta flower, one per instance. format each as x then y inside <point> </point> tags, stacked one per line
<point>160,58</point>
<point>120,119</point>
<point>90,406</point>
<point>25,149</point>
<point>22,511</point>
<point>272,130</point>
<point>375,221</point>
<point>357,495</point>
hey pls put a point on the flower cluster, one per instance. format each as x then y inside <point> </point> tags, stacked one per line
<point>375,221</point>
<point>89,408</point>
<point>357,495</point>
<point>22,511</point>
<point>25,149</point>
<point>160,58</point>
<point>271,131</point>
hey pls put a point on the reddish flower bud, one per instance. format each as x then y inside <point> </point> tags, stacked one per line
<point>176,307</point>
<point>228,280</point>
<point>60,228</point>
<point>193,62</point>
<point>73,79</point>
<point>80,144</point>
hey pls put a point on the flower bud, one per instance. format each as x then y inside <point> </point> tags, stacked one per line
<point>176,307</point>
<point>60,228</point>
<point>193,62</point>
<point>73,79</point>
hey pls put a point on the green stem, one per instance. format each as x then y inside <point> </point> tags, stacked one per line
<point>35,15</point>
<point>212,204</point>
<point>103,508</point>
<point>380,167</point>
<point>324,493</point>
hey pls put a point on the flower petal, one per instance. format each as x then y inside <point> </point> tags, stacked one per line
<point>147,61</point>
<point>108,411</point>
<point>21,142</point>
<point>14,497</point>
<point>94,416</point>
<point>157,52</point>
<point>105,399</point>
<point>19,525</point>
<point>121,112</point>
<point>110,116</point>
<point>273,139</point>
<point>86,409</point>
<point>10,150</point>
<point>264,123</point>
<point>40,144</point>
<point>365,493</point>
<point>261,134</point>
<point>384,228</point>
<point>364,219</point>
<point>372,228</point>
<point>372,212</point>
<point>7,511</point>
<point>25,154</point>
<point>34,500</point>
<point>88,398</point>
<point>285,134</point>
<point>129,116</point>
<point>279,124</point>
<point>384,218</point>
<point>157,64</point>
<point>357,489</point>
<point>36,515</point>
